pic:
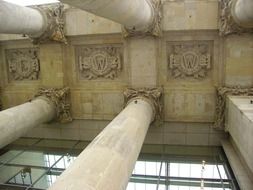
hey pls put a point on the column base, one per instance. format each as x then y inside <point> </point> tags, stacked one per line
<point>155,28</point>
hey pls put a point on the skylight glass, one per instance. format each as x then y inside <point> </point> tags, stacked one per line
<point>31,2</point>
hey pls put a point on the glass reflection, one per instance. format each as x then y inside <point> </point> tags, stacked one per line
<point>158,168</point>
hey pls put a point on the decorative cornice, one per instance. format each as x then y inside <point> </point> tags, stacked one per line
<point>155,28</point>
<point>152,95</point>
<point>227,24</point>
<point>55,24</point>
<point>222,93</point>
<point>60,98</point>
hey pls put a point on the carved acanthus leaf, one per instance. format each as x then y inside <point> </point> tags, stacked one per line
<point>99,62</point>
<point>153,95</point>
<point>23,64</point>
<point>222,93</point>
<point>55,24</point>
<point>227,24</point>
<point>60,98</point>
<point>189,60</point>
<point>155,28</point>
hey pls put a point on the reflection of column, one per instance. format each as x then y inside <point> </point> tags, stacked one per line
<point>236,16</point>
<point>39,24</point>
<point>107,163</point>
<point>136,15</point>
<point>47,105</point>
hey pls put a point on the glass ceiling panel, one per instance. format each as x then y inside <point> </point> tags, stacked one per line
<point>11,154</point>
<point>38,165</point>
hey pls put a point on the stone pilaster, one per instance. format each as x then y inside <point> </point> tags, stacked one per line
<point>222,93</point>
<point>151,95</point>
<point>55,24</point>
<point>227,24</point>
<point>155,28</point>
<point>60,98</point>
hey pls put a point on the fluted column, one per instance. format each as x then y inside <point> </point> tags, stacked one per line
<point>48,104</point>
<point>107,163</point>
<point>137,16</point>
<point>236,16</point>
<point>39,24</point>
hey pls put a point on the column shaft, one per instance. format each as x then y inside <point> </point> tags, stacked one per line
<point>15,19</point>
<point>16,121</point>
<point>242,12</point>
<point>107,163</point>
<point>133,14</point>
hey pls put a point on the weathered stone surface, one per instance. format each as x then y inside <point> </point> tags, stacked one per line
<point>190,15</point>
<point>238,60</point>
<point>60,98</point>
<point>23,64</point>
<point>222,94</point>
<point>99,61</point>
<point>18,120</point>
<point>119,143</point>
<point>189,59</point>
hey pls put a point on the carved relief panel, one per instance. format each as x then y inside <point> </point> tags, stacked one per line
<point>22,64</point>
<point>189,59</point>
<point>97,61</point>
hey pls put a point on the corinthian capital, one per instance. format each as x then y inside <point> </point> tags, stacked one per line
<point>222,93</point>
<point>151,95</point>
<point>54,31</point>
<point>227,24</point>
<point>60,98</point>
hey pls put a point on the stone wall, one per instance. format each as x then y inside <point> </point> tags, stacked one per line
<point>172,133</point>
<point>238,60</point>
<point>239,124</point>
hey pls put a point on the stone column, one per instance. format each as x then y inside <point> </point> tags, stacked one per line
<point>242,12</point>
<point>137,16</point>
<point>48,104</point>
<point>107,163</point>
<point>40,24</point>
<point>236,16</point>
